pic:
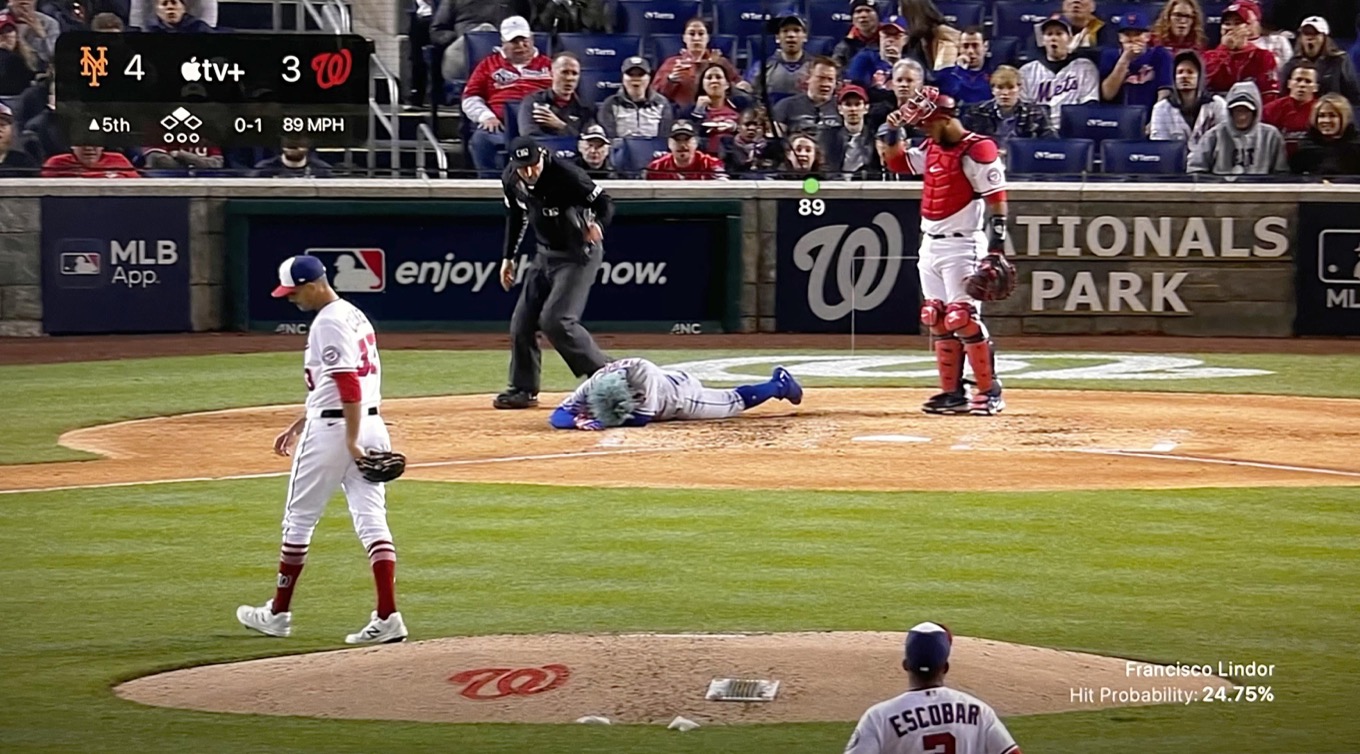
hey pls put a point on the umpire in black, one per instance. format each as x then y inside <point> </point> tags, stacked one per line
<point>568,213</point>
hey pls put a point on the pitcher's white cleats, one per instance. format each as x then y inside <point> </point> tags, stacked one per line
<point>379,631</point>
<point>265,620</point>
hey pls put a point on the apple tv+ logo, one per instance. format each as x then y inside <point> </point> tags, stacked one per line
<point>210,71</point>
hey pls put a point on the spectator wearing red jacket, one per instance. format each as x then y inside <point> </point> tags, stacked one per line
<point>88,162</point>
<point>1237,59</point>
<point>516,70</point>
<point>1294,114</point>
<point>685,162</point>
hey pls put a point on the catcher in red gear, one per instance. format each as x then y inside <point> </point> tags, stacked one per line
<point>961,264</point>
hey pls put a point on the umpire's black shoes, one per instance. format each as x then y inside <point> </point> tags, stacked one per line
<point>513,398</point>
<point>947,403</point>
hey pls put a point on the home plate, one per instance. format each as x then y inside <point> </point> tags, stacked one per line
<point>890,438</point>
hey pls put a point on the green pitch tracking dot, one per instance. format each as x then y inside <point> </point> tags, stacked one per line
<point>811,185</point>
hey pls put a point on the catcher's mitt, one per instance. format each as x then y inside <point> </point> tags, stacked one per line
<point>382,465</point>
<point>994,279</point>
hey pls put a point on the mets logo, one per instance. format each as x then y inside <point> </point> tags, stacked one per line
<point>355,270</point>
<point>92,66</point>
<point>865,261</point>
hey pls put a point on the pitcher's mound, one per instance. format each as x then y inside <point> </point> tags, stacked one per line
<point>647,678</point>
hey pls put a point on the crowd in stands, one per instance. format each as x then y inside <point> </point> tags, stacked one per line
<point>691,89</point>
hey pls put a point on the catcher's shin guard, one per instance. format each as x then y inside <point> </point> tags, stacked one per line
<point>949,361</point>
<point>977,346</point>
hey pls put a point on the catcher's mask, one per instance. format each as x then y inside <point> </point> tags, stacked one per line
<point>928,104</point>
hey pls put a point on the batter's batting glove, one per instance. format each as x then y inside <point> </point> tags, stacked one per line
<point>381,465</point>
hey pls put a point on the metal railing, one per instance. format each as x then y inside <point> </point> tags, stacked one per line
<point>441,159</point>
<point>335,18</point>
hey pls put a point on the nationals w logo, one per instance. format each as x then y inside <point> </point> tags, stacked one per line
<point>865,263</point>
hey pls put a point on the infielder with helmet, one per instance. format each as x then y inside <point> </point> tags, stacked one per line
<point>965,186</point>
<point>568,213</point>
<point>342,442</point>
<point>634,392</point>
<point>930,717</point>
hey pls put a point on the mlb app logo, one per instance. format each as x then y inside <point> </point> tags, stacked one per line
<point>355,270</point>
<point>1339,257</point>
<point>80,263</point>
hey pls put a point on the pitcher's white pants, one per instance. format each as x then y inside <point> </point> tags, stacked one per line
<point>321,463</point>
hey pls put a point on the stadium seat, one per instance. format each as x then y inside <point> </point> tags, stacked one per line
<point>1213,22</point>
<point>667,46</point>
<point>828,17</point>
<point>511,121</point>
<point>1099,122</point>
<point>822,45</point>
<point>1016,18</point>
<point>1001,51</point>
<point>961,15</point>
<point>559,145</point>
<point>633,155</point>
<point>1140,157</point>
<point>596,85</point>
<point>246,16</point>
<point>651,17</point>
<point>741,18</point>
<point>600,52</point>
<point>1049,156</point>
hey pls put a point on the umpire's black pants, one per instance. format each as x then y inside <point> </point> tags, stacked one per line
<point>552,299</point>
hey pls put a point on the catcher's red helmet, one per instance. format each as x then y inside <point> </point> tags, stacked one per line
<point>928,104</point>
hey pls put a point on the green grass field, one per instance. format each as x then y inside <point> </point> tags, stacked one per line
<point>109,584</point>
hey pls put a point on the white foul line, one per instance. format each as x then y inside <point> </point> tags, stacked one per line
<point>1203,459</point>
<point>269,474</point>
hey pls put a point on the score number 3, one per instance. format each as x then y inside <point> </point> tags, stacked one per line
<point>292,69</point>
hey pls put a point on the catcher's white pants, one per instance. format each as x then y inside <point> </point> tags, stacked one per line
<point>321,463</point>
<point>696,402</point>
<point>945,263</point>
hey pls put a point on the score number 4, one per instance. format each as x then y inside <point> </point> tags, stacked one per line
<point>134,67</point>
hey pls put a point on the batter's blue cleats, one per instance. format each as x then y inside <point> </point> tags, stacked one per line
<point>989,403</point>
<point>789,389</point>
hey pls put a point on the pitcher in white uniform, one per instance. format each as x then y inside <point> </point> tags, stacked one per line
<point>634,392</point>
<point>340,424</point>
<point>930,718</point>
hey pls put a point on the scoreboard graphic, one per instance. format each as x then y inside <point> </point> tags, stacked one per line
<point>220,90</point>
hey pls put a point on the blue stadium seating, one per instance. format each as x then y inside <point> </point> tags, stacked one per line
<point>650,17</point>
<point>246,16</point>
<point>962,14</point>
<point>1213,21</point>
<point>564,146</point>
<point>1140,157</point>
<point>1099,122</point>
<point>632,155</point>
<point>742,18</point>
<point>1016,18</point>
<point>822,45</point>
<point>1001,51</point>
<point>829,17</point>
<point>511,120</point>
<point>600,51</point>
<point>667,46</point>
<point>596,85</point>
<point>1051,156</point>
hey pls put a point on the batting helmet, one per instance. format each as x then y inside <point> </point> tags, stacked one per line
<point>928,104</point>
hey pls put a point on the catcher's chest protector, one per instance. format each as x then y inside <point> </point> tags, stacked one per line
<point>947,190</point>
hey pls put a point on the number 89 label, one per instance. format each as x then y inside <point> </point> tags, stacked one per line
<point>293,125</point>
<point>813,207</point>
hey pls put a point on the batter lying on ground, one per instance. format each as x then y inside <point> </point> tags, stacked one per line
<point>634,392</point>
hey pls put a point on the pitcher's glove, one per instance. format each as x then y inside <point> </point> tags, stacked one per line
<point>994,279</point>
<point>382,465</point>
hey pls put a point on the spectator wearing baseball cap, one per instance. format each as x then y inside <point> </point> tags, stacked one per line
<point>786,71</point>
<point>38,31</point>
<point>1138,73</point>
<point>1336,74</point>
<point>452,19</point>
<point>848,152</point>
<point>871,69</point>
<point>1279,44</point>
<point>19,65</point>
<point>1038,77</point>
<point>926,662</point>
<point>930,40</point>
<point>1087,28</point>
<point>863,34</point>
<point>516,70</point>
<point>677,79</point>
<point>684,162</point>
<point>1237,59</point>
<point>592,153</point>
<point>635,111</point>
<point>966,81</point>
<point>13,163</point>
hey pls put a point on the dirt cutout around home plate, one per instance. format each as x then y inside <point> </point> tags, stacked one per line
<point>864,439</point>
<point>650,678</point>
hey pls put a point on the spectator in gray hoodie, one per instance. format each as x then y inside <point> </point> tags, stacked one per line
<point>1191,111</point>
<point>1243,145</point>
<point>635,111</point>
